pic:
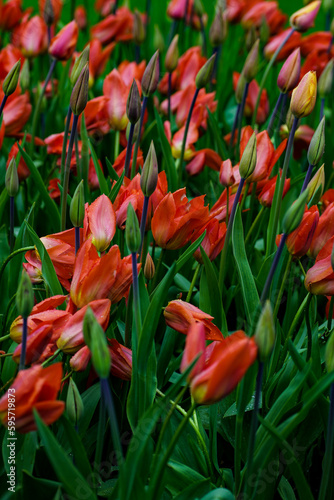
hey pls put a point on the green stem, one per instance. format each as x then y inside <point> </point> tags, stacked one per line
<point>198,267</point>
<point>63,152</point>
<point>157,269</point>
<point>54,356</point>
<point>281,290</point>
<point>20,250</point>
<point>293,325</point>
<point>191,109</point>
<point>256,220</point>
<point>116,149</point>
<point>309,331</point>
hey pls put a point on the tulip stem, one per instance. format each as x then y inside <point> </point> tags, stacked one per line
<point>216,52</point>
<point>5,337</point>
<point>100,433</point>
<point>169,96</point>
<point>67,173</point>
<point>63,153</point>
<point>281,290</point>
<point>241,115</point>
<point>277,207</point>
<point>326,471</point>
<point>13,254</point>
<point>38,107</point>
<point>266,73</point>
<point>270,128</point>
<point>136,299</point>
<point>54,356</point>
<point>234,127</point>
<point>108,399</point>
<point>129,150</point>
<point>157,270</point>
<point>191,109</point>
<point>299,313</point>
<point>135,152</point>
<point>253,428</point>
<point>11,223</point>
<point>330,314</point>
<point>307,178</point>
<point>77,239</point>
<point>24,344</point>
<point>116,148</point>
<point>3,102</point>
<point>222,268</point>
<point>271,273</point>
<point>143,223</point>
<point>256,220</point>
<point>192,285</point>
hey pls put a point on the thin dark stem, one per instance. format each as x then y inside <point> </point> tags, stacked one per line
<point>135,152</point>
<point>136,300</point>
<point>328,19</point>
<point>329,448</point>
<point>307,178</point>
<point>241,114</point>
<point>271,273</point>
<point>143,222</point>
<point>100,434</point>
<point>169,96</point>
<point>216,52</point>
<point>115,6</point>
<point>192,105</point>
<point>234,127</point>
<point>3,102</point>
<point>67,173</point>
<point>185,12</point>
<point>11,223</point>
<point>172,31</point>
<point>108,399</point>
<point>137,53</point>
<point>24,344</point>
<point>148,9</point>
<point>270,128</point>
<point>63,153</point>
<point>129,150</point>
<point>77,239</point>
<point>282,114</point>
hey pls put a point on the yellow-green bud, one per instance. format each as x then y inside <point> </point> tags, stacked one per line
<point>77,207</point>
<point>25,76</point>
<point>150,78</point>
<point>48,14</point>
<point>325,82</point>
<point>316,186</point>
<point>158,39</point>
<point>251,37</point>
<point>327,5</point>
<point>12,178</point>
<point>239,91</point>
<point>249,157</point>
<point>10,82</point>
<point>204,75</point>
<point>265,332</point>
<point>317,145</point>
<point>198,8</point>
<point>252,62</point>
<point>79,64</point>
<point>264,30</point>
<point>172,56</point>
<point>149,268</point>
<point>218,29</point>
<point>24,296</point>
<point>132,231</point>
<point>138,28</point>
<point>329,354</point>
<point>74,403</point>
<point>79,96</point>
<point>294,215</point>
<point>96,341</point>
<point>149,176</point>
<point>133,104</point>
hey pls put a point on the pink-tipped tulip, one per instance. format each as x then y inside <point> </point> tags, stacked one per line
<point>63,44</point>
<point>289,75</point>
<point>304,18</point>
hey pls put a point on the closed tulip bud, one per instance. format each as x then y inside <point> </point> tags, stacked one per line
<point>327,5</point>
<point>135,132</point>
<point>79,96</point>
<point>251,37</point>
<point>96,340</point>
<point>132,231</point>
<point>289,75</point>
<point>294,215</point>
<point>149,268</point>
<point>239,91</point>
<point>48,13</point>
<point>138,28</point>
<point>316,186</point>
<point>217,33</point>
<point>63,44</point>
<point>74,403</point>
<point>204,75</point>
<point>79,64</point>
<point>198,8</point>
<point>252,62</point>
<point>329,354</point>
<point>133,104</point>
<point>12,179</point>
<point>172,56</point>
<point>10,82</point>
<point>304,18</point>
<point>265,332</point>
<point>325,82</point>
<point>248,159</point>
<point>226,177</point>
<point>264,30</point>
<point>332,27</point>
<point>317,145</point>
<point>77,207</point>
<point>149,176</point>
<point>289,119</point>
<point>304,95</point>
<point>158,39</point>
<point>150,78</point>
<point>24,296</point>
<point>25,76</point>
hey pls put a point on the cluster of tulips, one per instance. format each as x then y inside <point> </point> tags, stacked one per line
<point>157,214</point>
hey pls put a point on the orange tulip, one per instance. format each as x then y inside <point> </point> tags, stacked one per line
<point>188,66</point>
<point>180,315</point>
<point>267,192</point>
<point>22,169</point>
<point>35,388</point>
<point>10,14</point>
<point>33,37</point>
<point>323,232</point>
<point>80,16</point>
<point>213,241</point>
<point>319,278</point>
<point>298,242</point>
<point>98,58</point>
<point>225,364</point>
<point>79,361</point>
<point>100,222</point>
<point>269,11</point>
<point>120,161</point>
<point>121,360</point>
<point>63,44</point>
<point>204,157</point>
<point>40,345</point>
<point>116,92</point>
<point>16,113</point>
<point>118,26</point>
<point>9,55</point>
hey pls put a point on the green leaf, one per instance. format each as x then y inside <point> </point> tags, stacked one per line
<point>73,482</point>
<point>188,253</point>
<point>79,452</point>
<point>112,172</point>
<point>90,399</point>
<point>115,189</point>
<point>217,134</point>
<point>42,488</point>
<point>167,154</point>
<point>249,291</point>
<point>219,494</point>
<point>102,181</point>
<point>50,206</point>
<point>4,199</point>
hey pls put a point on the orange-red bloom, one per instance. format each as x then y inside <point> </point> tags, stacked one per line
<point>57,6</point>
<point>323,232</point>
<point>10,14</point>
<point>32,36</point>
<point>100,222</point>
<point>63,44</point>
<point>80,16</point>
<point>98,58</point>
<point>116,93</point>
<point>118,26</point>
<point>213,240</point>
<point>298,242</point>
<point>16,113</point>
<point>266,195</point>
<point>289,47</point>
<point>319,278</point>
<point>121,360</point>
<point>36,388</point>
<point>22,169</point>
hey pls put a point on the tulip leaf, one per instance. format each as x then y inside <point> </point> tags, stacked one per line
<point>219,494</point>
<point>188,253</point>
<point>90,399</point>
<point>167,154</point>
<point>79,452</point>
<point>39,186</point>
<point>100,175</point>
<point>213,126</point>
<point>48,271</point>
<point>249,291</point>
<point>115,189</point>
<point>4,201</point>
<point>42,488</point>
<point>67,473</point>
<point>112,172</point>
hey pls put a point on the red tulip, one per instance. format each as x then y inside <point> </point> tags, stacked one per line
<point>63,44</point>
<point>319,278</point>
<point>298,242</point>
<point>323,232</point>
<point>100,222</point>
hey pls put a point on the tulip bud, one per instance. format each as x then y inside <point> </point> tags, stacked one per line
<point>332,27</point>
<point>294,215</point>
<point>138,28</point>
<point>133,104</point>
<point>329,354</point>
<point>77,207</point>
<point>74,403</point>
<point>149,176</point>
<point>79,64</point>
<point>149,268</point>
<point>264,30</point>
<point>251,65</point>
<point>48,13</point>
<point>79,96</point>
<point>10,82</point>
<point>172,56</point>
<point>316,186</point>
<point>25,76</point>
<point>226,177</point>
<point>12,179</point>
<point>304,18</point>
<point>239,91</point>
<point>289,119</point>
<point>132,231</point>
<point>63,44</point>
<point>251,37</point>
<point>24,296</point>
<point>158,39</point>
<point>204,75</point>
<point>95,339</point>
<point>150,78</point>
<point>265,332</point>
<point>249,158</point>
<point>304,95</point>
<point>289,75</point>
<point>217,33</point>
<point>317,145</point>
<point>325,82</point>
<point>135,131</point>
